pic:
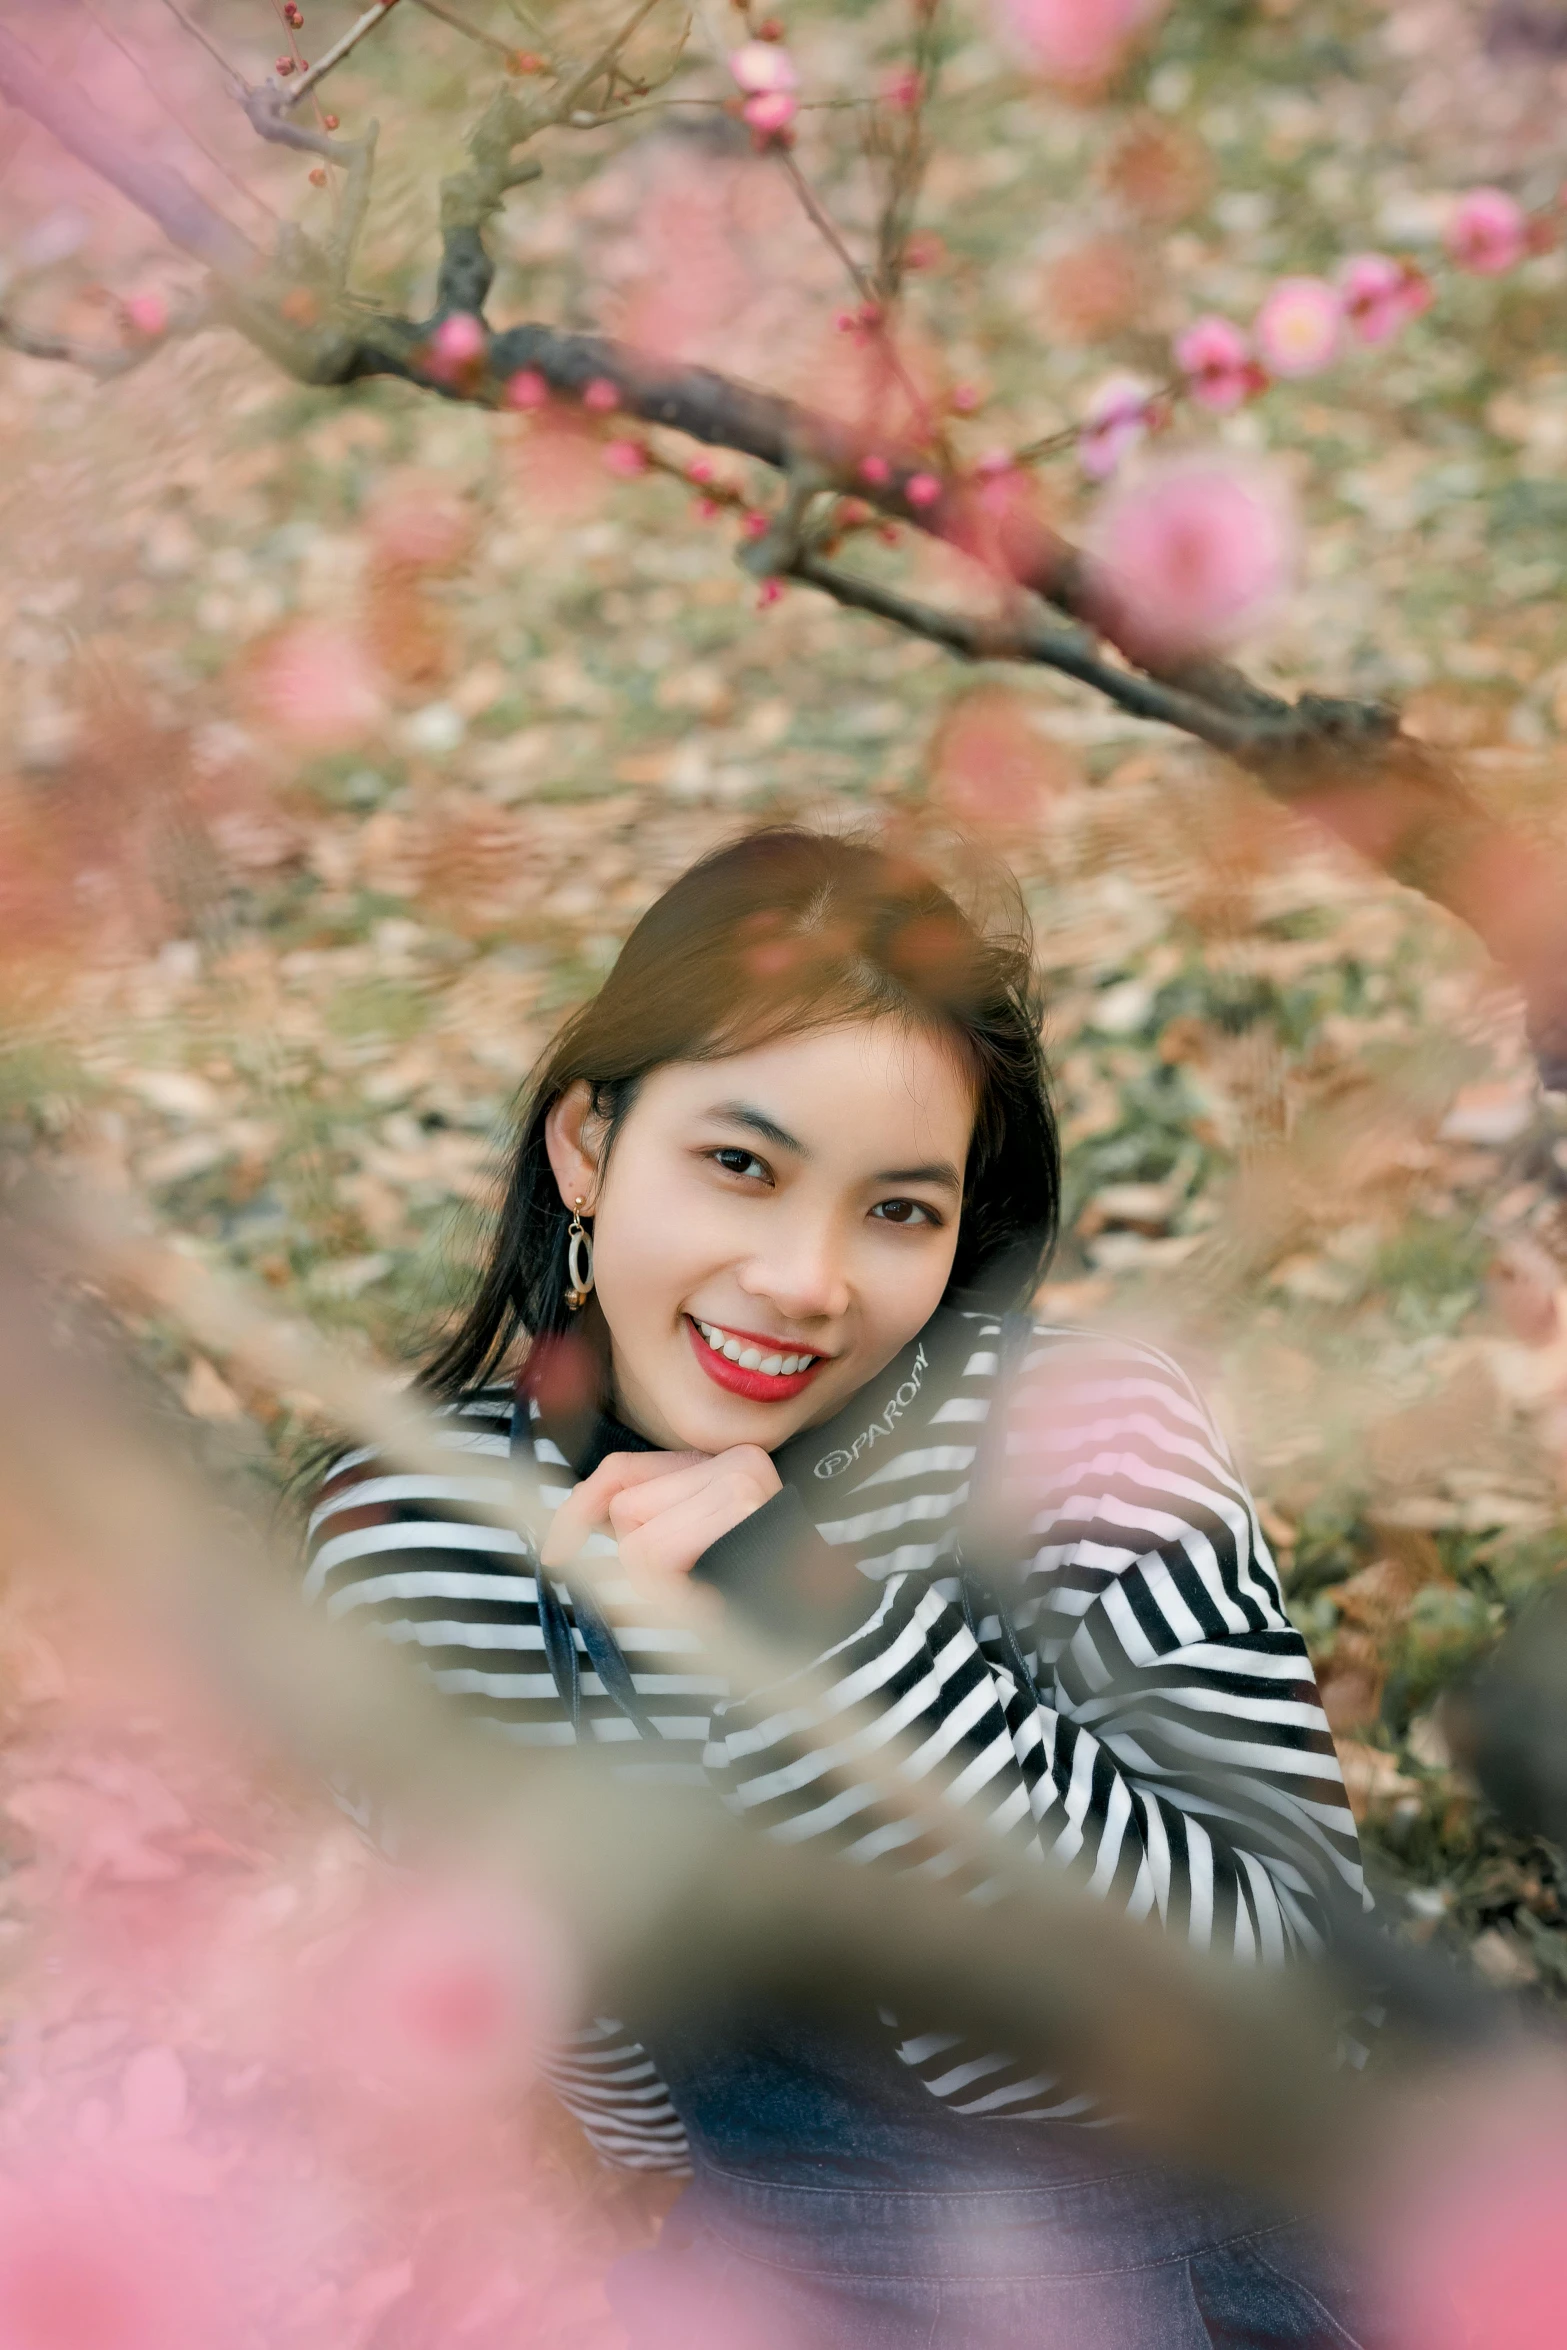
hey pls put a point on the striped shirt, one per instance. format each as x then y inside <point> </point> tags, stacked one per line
<point>1123,1693</point>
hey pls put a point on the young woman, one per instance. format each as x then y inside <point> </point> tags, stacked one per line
<point>781,1195</point>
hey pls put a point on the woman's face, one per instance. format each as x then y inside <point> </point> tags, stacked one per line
<point>770,1229</point>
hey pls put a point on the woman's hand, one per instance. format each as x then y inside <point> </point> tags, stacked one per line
<point>663,1508</point>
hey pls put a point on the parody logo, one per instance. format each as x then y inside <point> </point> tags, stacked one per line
<point>833,1464</point>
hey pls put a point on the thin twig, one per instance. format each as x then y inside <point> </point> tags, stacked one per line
<point>150,82</point>
<point>316,74</point>
<point>185,217</point>
<point>1070,650</point>
<point>596,122</point>
<point>196,34</point>
<point>822,220</point>
<point>460,24</point>
<point>606,57</point>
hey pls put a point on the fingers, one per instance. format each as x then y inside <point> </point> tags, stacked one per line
<point>635,1504</point>
<point>672,1542</point>
<point>588,1507</point>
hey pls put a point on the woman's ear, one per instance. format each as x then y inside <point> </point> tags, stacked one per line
<point>570,1139</point>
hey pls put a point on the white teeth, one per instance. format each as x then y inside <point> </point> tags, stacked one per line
<point>751,1358</point>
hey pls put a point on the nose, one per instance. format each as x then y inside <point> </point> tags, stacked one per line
<point>801,1269</point>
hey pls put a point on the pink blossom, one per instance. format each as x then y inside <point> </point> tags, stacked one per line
<point>447,1990</point>
<point>771,111</point>
<point>1488,232</point>
<point>153,2094</point>
<point>1188,557</point>
<point>418,522</point>
<point>966,398</point>
<point>626,458</point>
<point>763,66</point>
<point>1117,419</point>
<point>1076,41</point>
<point>1298,326</point>
<point>903,88</point>
<point>602,396</point>
<point>1380,295</point>
<point>527,389</point>
<point>769,593</point>
<point>875,469</point>
<point>147,313</point>
<point>701,469</point>
<point>317,687</point>
<point>457,345</point>
<point>1467,2241</point>
<point>90,2260</point>
<point>922,489</point>
<point>1216,360</point>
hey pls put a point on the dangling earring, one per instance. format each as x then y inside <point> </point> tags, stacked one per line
<point>579,1263</point>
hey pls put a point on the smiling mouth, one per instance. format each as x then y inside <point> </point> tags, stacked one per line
<point>749,1366</point>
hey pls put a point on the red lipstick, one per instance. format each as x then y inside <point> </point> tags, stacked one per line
<point>755,1386</point>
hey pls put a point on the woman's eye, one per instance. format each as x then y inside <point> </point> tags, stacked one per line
<point>905,1211</point>
<point>738,1162</point>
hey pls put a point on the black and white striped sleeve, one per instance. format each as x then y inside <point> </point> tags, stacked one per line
<point>396,1553</point>
<point>607,2080</point>
<point>1173,1752</point>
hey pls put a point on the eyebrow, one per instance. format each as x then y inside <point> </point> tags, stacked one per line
<point>757,1122</point>
<point>940,1172</point>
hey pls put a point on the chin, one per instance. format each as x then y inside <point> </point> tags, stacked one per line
<point>713,1422</point>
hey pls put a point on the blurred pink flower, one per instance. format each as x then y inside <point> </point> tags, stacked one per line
<point>626,458</point>
<point>446,1991</point>
<point>527,389</point>
<point>1188,557</point>
<point>98,1823</point>
<point>457,345</point>
<point>147,313</point>
<point>90,2259</point>
<point>1076,41</point>
<point>763,66</point>
<point>317,687</point>
<point>1470,2248</point>
<point>602,396</point>
<point>922,489</point>
<point>1216,360</point>
<point>154,2102</point>
<point>418,522</point>
<point>1298,326</point>
<point>1380,294</point>
<point>1117,419</point>
<point>903,88</point>
<point>1488,232</point>
<point>771,111</point>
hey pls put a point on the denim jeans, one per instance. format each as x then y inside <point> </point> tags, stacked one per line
<point>836,2205</point>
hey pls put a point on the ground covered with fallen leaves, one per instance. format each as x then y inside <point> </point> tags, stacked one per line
<point>347,734</point>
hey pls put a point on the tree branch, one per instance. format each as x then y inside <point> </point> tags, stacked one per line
<point>1069,650</point>
<point>1345,763</point>
<point>185,218</point>
<point>376,14</point>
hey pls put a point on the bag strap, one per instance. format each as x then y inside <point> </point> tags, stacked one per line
<point>603,1650</point>
<point>989,1469</point>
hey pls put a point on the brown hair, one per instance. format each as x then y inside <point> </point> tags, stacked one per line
<point>781,932</point>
